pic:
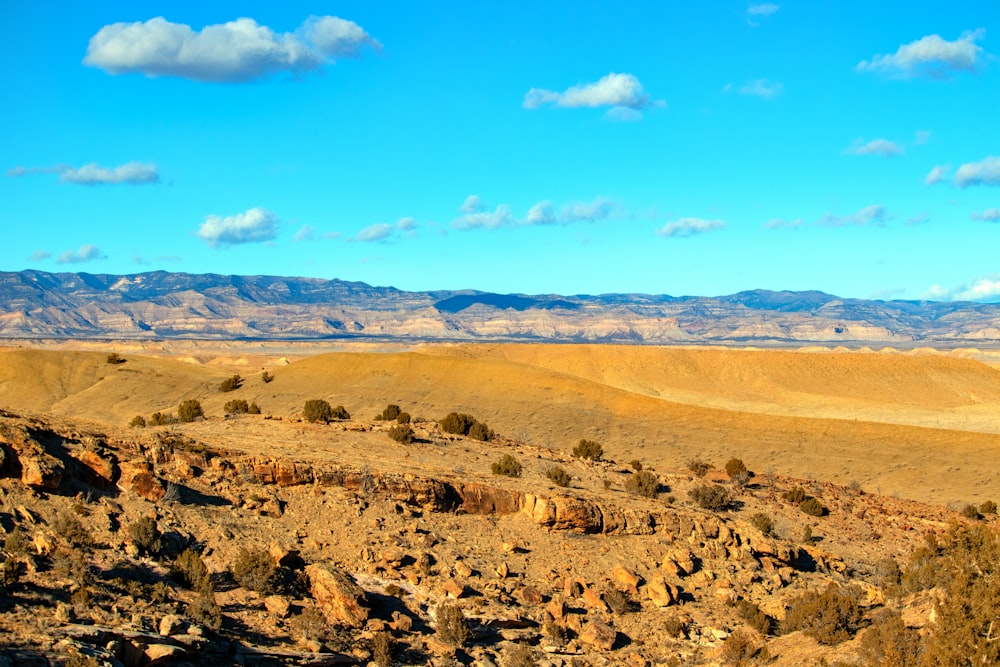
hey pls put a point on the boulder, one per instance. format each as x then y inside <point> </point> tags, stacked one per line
<point>598,635</point>
<point>339,597</point>
<point>625,579</point>
<point>96,469</point>
<point>661,593</point>
<point>137,477</point>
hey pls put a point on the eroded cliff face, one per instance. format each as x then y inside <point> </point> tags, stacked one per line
<point>174,305</point>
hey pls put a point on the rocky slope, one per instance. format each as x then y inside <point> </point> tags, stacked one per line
<point>424,557</point>
<point>161,305</point>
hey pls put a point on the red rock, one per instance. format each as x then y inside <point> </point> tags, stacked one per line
<point>598,635</point>
<point>97,469</point>
<point>530,595</point>
<point>625,579</point>
<point>137,477</point>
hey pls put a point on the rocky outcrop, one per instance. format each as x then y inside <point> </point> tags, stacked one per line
<point>138,477</point>
<point>340,599</point>
<point>29,458</point>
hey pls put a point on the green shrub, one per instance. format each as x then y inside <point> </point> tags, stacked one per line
<point>507,465</point>
<point>739,648</point>
<point>160,419</point>
<point>710,497</point>
<point>138,422</point>
<point>317,410</point>
<point>15,542</point>
<point>231,383</point>
<point>237,406</point>
<point>452,627</point>
<point>403,418</point>
<point>795,495</point>
<point>340,412</point>
<point>255,570</point>
<point>642,483</point>
<point>558,476</point>
<point>189,410</point>
<point>266,377</point>
<point>190,570</point>
<point>988,507</point>
<point>698,467</point>
<point>735,467</point>
<point>68,527</point>
<point>970,511</point>
<point>763,523</point>
<point>618,601</point>
<point>390,413</point>
<point>889,643</point>
<point>402,433</point>
<point>519,655</point>
<point>480,431</point>
<point>830,617</point>
<point>812,507</point>
<point>383,648</point>
<point>588,449</point>
<point>253,408</point>
<point>457,423</point>
<point>754,617</point>
<point>114,359</point>
<point>636,465</point>
<point>146,535</point>
<point>10,572</point>
<point>205,610</point>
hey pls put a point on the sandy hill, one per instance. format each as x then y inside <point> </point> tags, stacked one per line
<point>921,426</point>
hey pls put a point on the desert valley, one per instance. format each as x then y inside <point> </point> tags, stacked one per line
<point>400,501</point>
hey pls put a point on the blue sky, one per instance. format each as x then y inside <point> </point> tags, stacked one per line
<point>698,148</point>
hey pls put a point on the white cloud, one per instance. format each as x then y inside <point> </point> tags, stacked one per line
<point>40,255</point>
<point>542,213</point>
<point>599,209</point>
<point>406,224</point>
<point>472,204</point>
<point>235,51</point>
<point>255,226</point>
<point>765,9</point>
<point>501,217</point>
<point>989,215</point>
<point>783,224</point>
<point>689,227</point>
<point>986,288</point>
<point>881,147</point>
<point>936,175</point>
<point>930,56</point>
<point>918,219</point>
<point>984,172</point>
<point>132,173</point>
<point>869,215</point>
<point>762,88</point>
<point>378,232</point>
<point>622,92</point>
<point>86,253</point>
<point>305,233</point>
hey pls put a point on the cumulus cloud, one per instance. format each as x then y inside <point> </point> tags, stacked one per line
<point>880,147</point>
<point>472,204</point>
<point>930,56</point>
<point>762,88</point>
<point>305,233</point>
<point>385,232</point>
<point>689,227</point>
<point>542,213</point>
<point>936,175</point>
<point>599,209</point>
<point>622,92</point>
<point>131,173</point>
<point>869,215</point>
<point>989,215</point>
<point>984,172</point>
<point>86,253</point>
<point>986,288</point>
<point>255,226</point>
<point>235,51</point>
<point>502,216</point>
<point>40,255</point>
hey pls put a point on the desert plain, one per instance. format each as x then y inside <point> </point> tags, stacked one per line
<point>895,445</point>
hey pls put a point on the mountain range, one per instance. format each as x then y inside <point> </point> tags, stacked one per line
<point>160,304</point>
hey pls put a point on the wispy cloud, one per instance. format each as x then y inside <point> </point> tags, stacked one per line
<point>922,137</point>
<point>40,256</point>
<point>257,225</point>
<point>869,215</point>
<point>764,88</point>
<point>880,147</point>
<point>930,56</point>
<point>683,227</point>
<point>386,232</point>
<point>305,233</point>
<point>758,11</point>
<point>131,173</point>
<point>989,215</point>
<point>478,216</point>
<point>984,172</point>
<point>235,51</point>
<point>776,223</point>
<point>986,288</point>
<point>86,253</point>
<point>622,92</point>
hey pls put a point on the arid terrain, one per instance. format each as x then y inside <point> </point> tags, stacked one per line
<point>326,543</point>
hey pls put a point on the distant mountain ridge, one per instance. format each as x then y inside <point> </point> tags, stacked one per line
<point>161,304</point>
